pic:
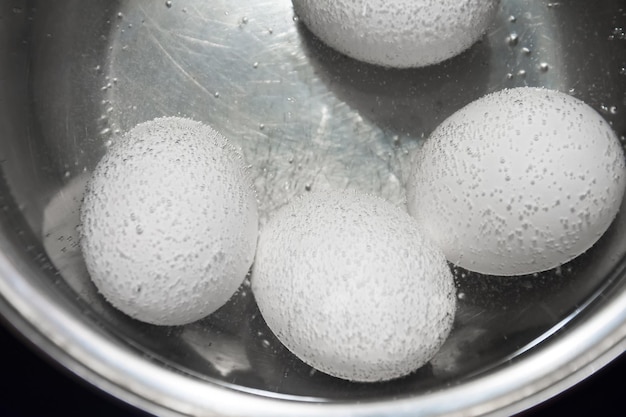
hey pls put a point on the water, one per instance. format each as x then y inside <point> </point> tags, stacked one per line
<point>348,125</point>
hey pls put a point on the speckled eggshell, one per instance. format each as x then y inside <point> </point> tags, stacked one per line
<point>517,182</point>
<point>169,222</point>
<point>349,284</point>
<point>398,33</point>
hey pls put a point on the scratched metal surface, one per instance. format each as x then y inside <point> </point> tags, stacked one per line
<point>305,118</point>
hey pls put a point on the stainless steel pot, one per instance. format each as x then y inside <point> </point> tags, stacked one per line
<point>76,73</point>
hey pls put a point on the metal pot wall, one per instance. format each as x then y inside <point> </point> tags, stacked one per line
<point>75,74</point>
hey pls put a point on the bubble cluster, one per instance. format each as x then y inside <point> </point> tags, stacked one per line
<point>348,283</point>
<point>517,182</point>
<point>398,33</point>
<point>169,222</point>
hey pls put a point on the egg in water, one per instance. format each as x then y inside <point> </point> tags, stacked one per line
<point>349,284</point>
<point>169,222</point>
<point>517,182</point>
<point>398,33</point>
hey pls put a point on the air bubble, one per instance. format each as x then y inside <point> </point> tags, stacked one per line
<point>512,39</point>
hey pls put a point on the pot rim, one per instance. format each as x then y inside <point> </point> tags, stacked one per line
<point>574,349</point>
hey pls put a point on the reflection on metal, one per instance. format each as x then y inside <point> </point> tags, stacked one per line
<point>78,73</point>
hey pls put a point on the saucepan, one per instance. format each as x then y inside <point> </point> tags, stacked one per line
<point>75,75</point>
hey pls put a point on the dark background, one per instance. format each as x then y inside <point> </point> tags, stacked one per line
<point>33,387</point>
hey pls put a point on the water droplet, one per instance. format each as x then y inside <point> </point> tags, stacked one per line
<point>509,76</point>
<point>526,51</point>
<point>295,18</point>
<point>168,3</point>
<point>521,73</point>
<point>512,39</point>
<point>216,94</point>
<point>618,33</point>
<point>261,126</point>
<point>255,65</point>
<point>622,71</point>
<point>461,296</point>
<point>270,31</point>
<point>512,19</point>
<point>544,67</point>
<point>244,20</point>
<point>120,15</point>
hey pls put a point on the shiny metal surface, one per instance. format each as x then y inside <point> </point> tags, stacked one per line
<point>75,74</point>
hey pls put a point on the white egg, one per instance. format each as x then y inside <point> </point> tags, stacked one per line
<point>517,182</point>
<point>169,222</point>
<point>398,33</point>
<point>349,285</point>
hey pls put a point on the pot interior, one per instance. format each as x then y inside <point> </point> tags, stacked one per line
<point>79,73</point>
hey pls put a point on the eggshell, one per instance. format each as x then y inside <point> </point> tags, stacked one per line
<point>517,182</point>
<point>349,284</point>
<point>169,222</point>
<point>398,33</point>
